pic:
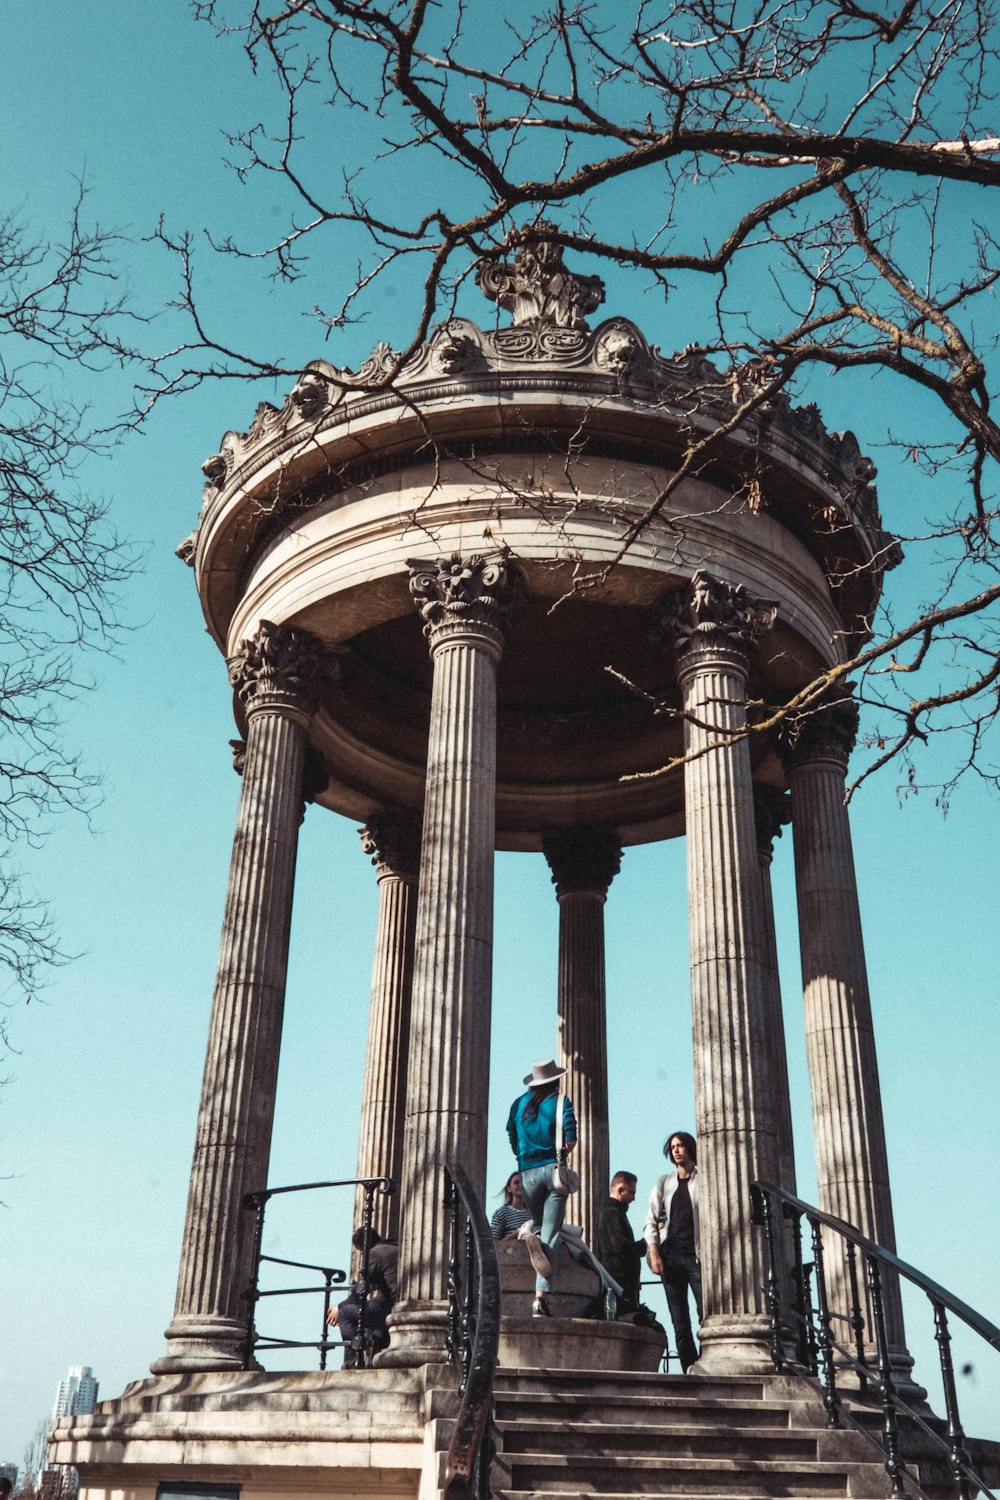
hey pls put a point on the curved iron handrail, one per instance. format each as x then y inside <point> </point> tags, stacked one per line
<point>256,1203</point>
<point>818,1350</point>
<point>468,1459</point>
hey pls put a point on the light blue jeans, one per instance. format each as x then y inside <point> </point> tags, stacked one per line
<point>548,1209</point>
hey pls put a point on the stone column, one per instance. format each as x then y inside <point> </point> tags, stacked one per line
<point>464,603</point>
<point>584,861</point>
<point>851,1161</point>
<point>772,810</point>
<point>392,839</point>
<point>712,626</point>
<point>277,673</point>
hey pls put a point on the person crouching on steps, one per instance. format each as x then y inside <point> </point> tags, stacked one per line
<point>531,1129</point>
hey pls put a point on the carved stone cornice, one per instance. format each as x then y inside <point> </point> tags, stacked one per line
<point>826,730</point>
<point>707,618</point>
<point>536,287</point>
<point>459,596</point>
<point>583,859</point>
<point>772,809</point>
<point>279,667</point>
<point>392,840</point>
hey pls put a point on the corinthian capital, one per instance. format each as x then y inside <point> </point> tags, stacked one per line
<point>279,667</point>
<point>456,594</point>
<point>827,730</point>
<point>583,859</point>
<point>708,614</point>
<point>772,809</point>
<point>392,841</point>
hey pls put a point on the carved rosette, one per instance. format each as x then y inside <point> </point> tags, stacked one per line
<point>772,810</point>
<point>707,618</point>
<point>463,596</point>
<point>392,841</point>
<point>583,859</point>
<point>827,730</point>
<point>279,667</point>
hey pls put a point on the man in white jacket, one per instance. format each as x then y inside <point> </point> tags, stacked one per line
<point>671,1234</point>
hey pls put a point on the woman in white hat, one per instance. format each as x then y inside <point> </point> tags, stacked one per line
<point>532,1128</point>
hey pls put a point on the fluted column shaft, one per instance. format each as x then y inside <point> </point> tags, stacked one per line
<point>771,811</point>
<point>712,627</point>
<point>849,1134</point>
<point>233,1137</point>
<point>393,841</point>
<point>584,861</point>
<point>448,1075</point>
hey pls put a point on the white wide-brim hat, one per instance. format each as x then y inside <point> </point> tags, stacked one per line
<point>545,1070</point>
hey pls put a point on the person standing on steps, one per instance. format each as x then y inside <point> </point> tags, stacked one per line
<point>618,1250</point>
<point>532,1127</point>
<point>672,1239</point>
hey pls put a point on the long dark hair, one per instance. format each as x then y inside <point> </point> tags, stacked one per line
<point>687,1141</point>
<point>538,1093</point>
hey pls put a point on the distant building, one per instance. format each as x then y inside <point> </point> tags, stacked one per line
<point>76,1395</point>
<point>9,1471</point>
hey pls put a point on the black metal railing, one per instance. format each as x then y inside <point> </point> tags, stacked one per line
<point>255,1342</point>
<point>473,1337</point>
<point>803,1338</point>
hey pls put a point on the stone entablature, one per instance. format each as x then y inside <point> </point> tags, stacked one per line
<point>546,383</point>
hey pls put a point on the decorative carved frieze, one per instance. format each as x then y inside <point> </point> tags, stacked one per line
<point>826,730</point>
<point>392,841</point>
<point>280,665</point>
<point>536,286</point>
<point>583,859</point>
<point>772,809</point>
<point>460,592</point>
<point>708,613</point>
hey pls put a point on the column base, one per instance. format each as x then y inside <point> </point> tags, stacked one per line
<point>734,1345</point>
<point>418,1333</point>
<point>203,1343</point>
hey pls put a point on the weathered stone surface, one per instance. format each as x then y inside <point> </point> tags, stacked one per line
<point>275,672</point>
<point>392,840</point>
<point>848,1131</point>
<point>584,861</point>
<point>464,607</point>
<point>711,627</point>
<point>772,810</point>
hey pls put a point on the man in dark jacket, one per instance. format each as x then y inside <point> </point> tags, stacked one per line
<point>617,1249</point>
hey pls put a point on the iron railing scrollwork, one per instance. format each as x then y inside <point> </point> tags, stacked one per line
<point>255,1341</point>
<point>473,1337</point>
<point>803,1340</point>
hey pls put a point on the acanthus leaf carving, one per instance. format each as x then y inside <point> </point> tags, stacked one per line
<point>708,611</point>
<point>475,590</point>
<point>536,286</point>
<point>279,664</point>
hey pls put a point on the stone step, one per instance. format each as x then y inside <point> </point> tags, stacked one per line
<point>598,1474</point>
<point>653,1407</point>
<point>611,1382</point>
<point>575,1437</point>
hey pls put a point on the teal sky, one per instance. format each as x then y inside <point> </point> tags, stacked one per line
<point>99,1109</point>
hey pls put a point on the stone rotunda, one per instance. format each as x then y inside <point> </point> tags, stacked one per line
<point>491,605</point>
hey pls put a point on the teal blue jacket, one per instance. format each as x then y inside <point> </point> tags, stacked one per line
<point>533,1141</point>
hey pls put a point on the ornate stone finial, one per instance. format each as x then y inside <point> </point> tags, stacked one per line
<point>536,287</point>
<point>583,859</point>
<point>280,666</point>
<point>826,730</point>
<point>392,840</point>
<point>456,593</point>
<point>772,809</point>
<point>710,613</point>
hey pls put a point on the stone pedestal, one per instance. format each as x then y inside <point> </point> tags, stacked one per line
<point>393,842</point>
<point>852,1167</point>
<point>275,674</point>
<point>584,861</point>
<point>464,603</point>
<point>712,626</point>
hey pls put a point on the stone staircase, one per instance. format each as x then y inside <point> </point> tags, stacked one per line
<point>594,1433</point>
